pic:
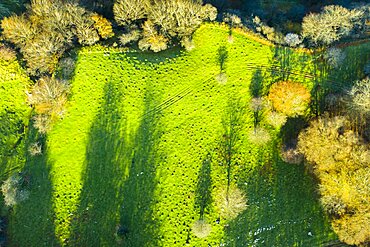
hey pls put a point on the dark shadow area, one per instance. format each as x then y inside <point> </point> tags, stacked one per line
<point>281,63</point>
<point>156,58</point>
<point>106,152</point>
<point>256,85</point>
<point>291,129</point>
<point>203,192</point>
<point>137,226</point>
<point>283,208</point>
<point>32,221</point>
<point>12,143</point>
<point>222,55</point>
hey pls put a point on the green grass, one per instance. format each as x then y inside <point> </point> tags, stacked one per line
<point>14,114</point>
<point>146,135</point>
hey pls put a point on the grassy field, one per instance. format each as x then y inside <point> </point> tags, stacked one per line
<point>140,132</point>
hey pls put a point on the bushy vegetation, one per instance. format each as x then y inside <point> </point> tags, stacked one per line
<point>332,24</point>
<point>341,162</point>
<point>158,23</point>
<point>13,191</point>
<point>49,28</point>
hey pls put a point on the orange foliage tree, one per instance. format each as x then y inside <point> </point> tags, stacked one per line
<point>289,98</point>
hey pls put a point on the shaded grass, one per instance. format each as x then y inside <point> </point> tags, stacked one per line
<point>34,217</point>
<point>96,218</point>
<point>283,208</point>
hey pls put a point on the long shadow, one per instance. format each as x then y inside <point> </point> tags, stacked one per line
<point>256,85</point>
<point>138,228</point>
<point>12,142</point>
<point>97,216</point>
<point>203,192</point>
<point>32,221</point>
<point>233,123</point>
<point>283,208</point>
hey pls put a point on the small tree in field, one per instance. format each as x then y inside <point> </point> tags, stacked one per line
<point>289,98</point>
<point>334,57</point>
<point>201,228</point>
<point>231,202</point>
<point>12,191</point>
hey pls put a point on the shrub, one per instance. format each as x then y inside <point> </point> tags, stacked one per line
<point>187,43</point>
<point>259,136</point>
<point>275,119</point>
<point>48,96</point>
<point>42,123</point>
<point>152,39</point>
<point>201,229</point>
<point>208,12</point>
<point>257,104</point>
<point>360,97</point>
<point>291,155</point>
<point>7,54</point>
<point>289,98</point>
<point>292,39</point>
<point>35,149</point>
<point>12,191</point>
<point>66,68</point>
<point>132,36</point>
<point>334,57</point>
<point>231,202</point>
<point>103,26</point>
<point>221,78</point>
<point>333,23</point>
<point>127,12</point>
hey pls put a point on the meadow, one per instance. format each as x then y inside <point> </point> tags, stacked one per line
<point>146,135</point>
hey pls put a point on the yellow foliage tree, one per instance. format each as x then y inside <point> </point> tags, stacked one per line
<point>103,26</point>
<point>341,161</point>
<point>289,98</point>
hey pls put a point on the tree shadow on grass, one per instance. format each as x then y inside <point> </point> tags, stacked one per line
<point>233,123</point>
<point>32,221</point>
<point>283,208</point>
<point>203,192</point>
<point>256,85</point>
<point>138,228</point>
<point>97,215</point>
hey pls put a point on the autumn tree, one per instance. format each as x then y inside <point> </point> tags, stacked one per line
<point>48,96</point>
<point>340,160</point>
<point>161,21</point>
<point>360,97</point>
<point>332,24</point>
<point>127,12</point>
<point>49,28</point>
<point>289,98</point>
